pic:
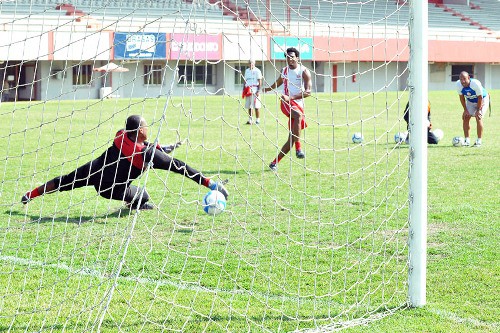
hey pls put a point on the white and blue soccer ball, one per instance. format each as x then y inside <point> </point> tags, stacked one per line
<point>438,133</point>
<point>400,137</point>
<point>458,141</point>
<point>214,202</point>
<point>357,137</point>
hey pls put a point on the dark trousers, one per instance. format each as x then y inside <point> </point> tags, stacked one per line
<point>107,188</point>
<point>112,180</point>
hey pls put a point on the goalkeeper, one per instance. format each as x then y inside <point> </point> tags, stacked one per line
<point>112,173</point>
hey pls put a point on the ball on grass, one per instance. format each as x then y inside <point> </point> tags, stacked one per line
<point>400,137</point>
<point>458,141</point>
<point>214,202</point>
<point>438,133</point>
<point>357,137</point>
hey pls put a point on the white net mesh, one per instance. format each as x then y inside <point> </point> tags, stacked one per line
<point>321,244</point>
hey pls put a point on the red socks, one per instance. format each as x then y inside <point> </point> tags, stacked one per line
<point>33,194</point>
<point>298,146</point>
<point>206,182</point>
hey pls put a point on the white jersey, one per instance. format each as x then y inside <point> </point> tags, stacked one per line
<point>252,77</point>
<point>293,82</point>
<point>471,92</point>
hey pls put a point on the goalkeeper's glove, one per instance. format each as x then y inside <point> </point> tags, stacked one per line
<point>219,186</point>
<point>169,148</point>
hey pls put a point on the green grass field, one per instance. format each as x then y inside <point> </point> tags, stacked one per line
<point>322,242</point>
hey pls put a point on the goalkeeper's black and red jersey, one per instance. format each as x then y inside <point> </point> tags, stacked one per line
<point>122,163</point>
<point>131,150</point>
<point>125,160</point>
<point>113,171</point>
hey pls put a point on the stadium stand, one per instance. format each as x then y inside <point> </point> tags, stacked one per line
<point>391,13</point>
<point>232,9</point>
<point>111,8</point>
<point>479,14</point>
<point>350,18</point>
<point>439,17</point>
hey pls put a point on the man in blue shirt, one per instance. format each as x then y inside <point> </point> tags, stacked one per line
<point>475,100</point>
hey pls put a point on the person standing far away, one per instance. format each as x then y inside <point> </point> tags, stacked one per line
<point>475,100</point>
<point>251,89</point>
<point>297,83</point>
<point>5,91</point>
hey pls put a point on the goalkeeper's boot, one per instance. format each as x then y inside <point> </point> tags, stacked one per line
<point>273,166</point>
<point>300,154</point>
<point>218,186</point>
<point>25,199</point>
<point>30,195</point>
<point>146,206</point>
<point>143,206</point>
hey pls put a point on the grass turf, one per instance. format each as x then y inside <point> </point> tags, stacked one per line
<point>321,242</point>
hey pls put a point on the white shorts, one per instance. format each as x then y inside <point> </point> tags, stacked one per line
<point>252,102</point>
<point>472,107</point>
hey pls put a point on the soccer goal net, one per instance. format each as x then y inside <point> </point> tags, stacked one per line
<point>306,243</point>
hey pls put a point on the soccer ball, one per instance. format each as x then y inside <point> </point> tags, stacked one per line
<point>357,137</point>
<point>214,202</point>
<point>438,133</point>
<point>458,141</point>
<point>400,137</point>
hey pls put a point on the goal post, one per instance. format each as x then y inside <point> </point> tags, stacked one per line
<point>323,242</point>
<point>418,159</point>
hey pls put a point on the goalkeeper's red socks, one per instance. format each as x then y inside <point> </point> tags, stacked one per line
<point>33,194</point>
<point>276,160</point>
<point>30,195</point>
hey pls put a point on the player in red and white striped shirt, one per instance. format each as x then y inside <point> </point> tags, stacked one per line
<point>297,84</point>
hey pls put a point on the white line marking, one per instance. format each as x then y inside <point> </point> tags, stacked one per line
<point>86,271</point>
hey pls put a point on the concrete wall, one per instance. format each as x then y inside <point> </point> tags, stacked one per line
<point>52,80</point>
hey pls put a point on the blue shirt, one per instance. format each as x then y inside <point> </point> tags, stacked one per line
<point>472,91</point>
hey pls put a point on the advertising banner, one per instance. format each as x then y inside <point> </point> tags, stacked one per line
<point>279,44</point>
<point>195,47</point>
<point>244,47</point>
<point>140,45</point>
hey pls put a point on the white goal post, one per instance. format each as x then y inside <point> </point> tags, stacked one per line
<point>315,244</point>
<point>418,169</point>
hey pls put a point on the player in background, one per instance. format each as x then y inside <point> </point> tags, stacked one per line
<point>5,91</point>
<point>432,138</point>
<point>475,100</point>
<point>251,89</point>
<point>112,173</point>
<point>297,83</point>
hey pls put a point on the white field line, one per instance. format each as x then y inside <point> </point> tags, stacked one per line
<point>457,319</point>
<point>86,271</point>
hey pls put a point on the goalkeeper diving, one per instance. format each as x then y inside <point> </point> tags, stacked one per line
<point>112,173</point>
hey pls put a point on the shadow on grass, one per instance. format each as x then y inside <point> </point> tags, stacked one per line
<point>26,218</point>
<point>223,172</point>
